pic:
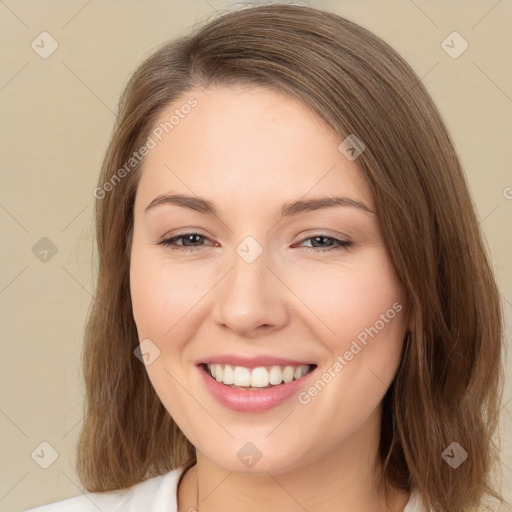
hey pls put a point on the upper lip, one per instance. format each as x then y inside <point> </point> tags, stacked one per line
<point>251,362</point>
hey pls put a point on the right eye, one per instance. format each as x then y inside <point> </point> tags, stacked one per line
<point>188,238</point>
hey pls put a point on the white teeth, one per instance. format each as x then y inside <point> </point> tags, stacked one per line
<point>275,375</point>
<point>288,373</point>
<point>259,377</point>
<point>242,376</point>
<point>228,375</point>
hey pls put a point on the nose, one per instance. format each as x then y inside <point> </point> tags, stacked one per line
<point>251,300</point>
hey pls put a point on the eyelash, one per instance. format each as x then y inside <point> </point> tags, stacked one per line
<point>340,244</point>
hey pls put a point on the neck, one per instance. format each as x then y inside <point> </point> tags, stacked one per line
<point>343,479</point>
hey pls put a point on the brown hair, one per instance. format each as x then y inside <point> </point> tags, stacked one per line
<point>448,386</point>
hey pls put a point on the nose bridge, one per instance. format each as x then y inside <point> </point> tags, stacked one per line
<point>250,296</point>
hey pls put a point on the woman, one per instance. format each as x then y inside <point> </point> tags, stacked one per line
<point>294,308</point>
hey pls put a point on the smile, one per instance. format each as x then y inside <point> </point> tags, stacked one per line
<point>257,389</point>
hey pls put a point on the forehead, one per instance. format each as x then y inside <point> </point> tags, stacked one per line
<point>248,146</point>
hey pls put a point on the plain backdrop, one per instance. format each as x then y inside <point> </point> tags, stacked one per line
<point>56,119</point>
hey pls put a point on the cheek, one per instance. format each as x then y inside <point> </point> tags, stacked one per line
<point>162,294</point>
<point>362,324</point>
<point>349,298</point>
<point>359,309</point>
<point>162,302</point>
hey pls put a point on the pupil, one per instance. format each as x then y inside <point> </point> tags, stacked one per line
<point>317,238</point>
<point>190,238</point>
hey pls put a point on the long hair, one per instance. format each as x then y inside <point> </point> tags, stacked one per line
<point>449,383</point>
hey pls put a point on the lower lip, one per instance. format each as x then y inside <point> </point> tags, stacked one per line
<point>253,400</point>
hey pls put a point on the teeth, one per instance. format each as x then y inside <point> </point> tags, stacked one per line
<point>241,376</point>
<point>259,377</point>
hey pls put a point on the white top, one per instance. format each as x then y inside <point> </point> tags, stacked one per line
<point>157,494</point>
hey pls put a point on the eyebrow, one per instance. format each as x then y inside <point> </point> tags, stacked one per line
<point>288,209</point>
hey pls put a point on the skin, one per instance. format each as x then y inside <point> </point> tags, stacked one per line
<point>249,150</point>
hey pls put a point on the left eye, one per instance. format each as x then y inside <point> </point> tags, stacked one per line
<point>336,244</point>
<point>192,238</point>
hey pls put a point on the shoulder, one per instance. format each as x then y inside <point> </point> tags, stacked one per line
<point>157,494</point>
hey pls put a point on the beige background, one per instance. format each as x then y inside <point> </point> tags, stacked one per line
<point>57,115</point>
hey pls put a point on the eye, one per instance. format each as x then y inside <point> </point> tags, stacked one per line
<point>336,244</point>
<point>189,240</point>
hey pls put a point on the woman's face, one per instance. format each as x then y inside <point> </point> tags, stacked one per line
<point>260,283</point>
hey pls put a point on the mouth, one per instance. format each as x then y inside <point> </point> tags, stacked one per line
<point>258,378</point>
